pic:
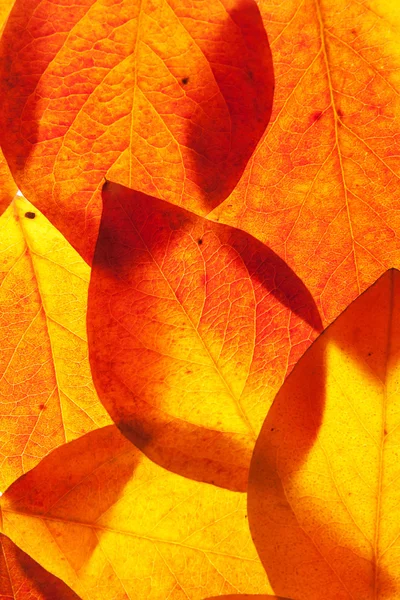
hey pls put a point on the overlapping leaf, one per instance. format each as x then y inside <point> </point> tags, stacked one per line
<point>168,97</point>
<point>47,395</point>
<point>322,189</point>
<point>247,597</point>
<point>324,479</point>
<point>192,326</point>
<point>21,578</point>
<point>112,524</point>
<point>8,187</point>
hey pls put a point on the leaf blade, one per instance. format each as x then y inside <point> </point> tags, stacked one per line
<point>186,93</point>
<point>328,493</point>
<point>46,391</point>
<point>22,577</point>
<point>184,317</point>
<point>106,520</point>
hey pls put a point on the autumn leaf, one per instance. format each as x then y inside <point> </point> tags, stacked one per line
<point>8,187</point>
<point>184,90</point>
<point>47,395</point>
<point>112,524</point>
<point>192,326</point>
<point>324,478</point>
<point>22,578</point>
<point>247,597</point>
<point>322,189</point>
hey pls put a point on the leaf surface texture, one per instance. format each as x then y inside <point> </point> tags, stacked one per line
<point>112,524</point>
<point>191,325</point>
<point>47,396</point>
<point>22,578</point>
<point>185,92</point>
<point>324,478</point>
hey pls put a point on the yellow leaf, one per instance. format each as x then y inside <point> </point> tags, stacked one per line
<point>324,487</point>
<point>111,524</point>
<point>47,395</point>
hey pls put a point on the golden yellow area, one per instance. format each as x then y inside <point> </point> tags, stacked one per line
<point>47,395</point>
<point>325,473</point>
<point>112,524</point>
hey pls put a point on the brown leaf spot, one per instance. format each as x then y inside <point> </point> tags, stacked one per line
<point>185,80</point>
<point>30,215</point>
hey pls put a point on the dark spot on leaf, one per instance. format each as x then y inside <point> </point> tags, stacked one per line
<point>250,74</point>
<point>272,428</point>
<point>369,353</point>
<point>385,431</point>
<point>30,215</point>
<point>316,116</point>
<point>42,406</point>
<point>340,112</point>
<point>185,80</point>
<point>200,241</point>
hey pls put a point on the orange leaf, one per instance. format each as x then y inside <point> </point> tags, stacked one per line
<point>247,597</point>
<point>112,524</point>
<point>22,578</point>
<point>324,478</point>
<point>192,326</point>
<point>322,189</point>
<point>47,395</point>
<point>168,97</point>
<point>8,187</point>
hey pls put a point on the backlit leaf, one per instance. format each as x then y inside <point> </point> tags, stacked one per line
<point>8,187</point>
<point>169,97</point>
<point>21,578</point>
<point>192,326</point>
<point>112,524</point>
<point>322,189</point>
<point>247,597</point>
<point>324,479</point>
<point>47,395</point>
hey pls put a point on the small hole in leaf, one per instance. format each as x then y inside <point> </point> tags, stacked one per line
<point>185,80</point>
<point>30,215</point>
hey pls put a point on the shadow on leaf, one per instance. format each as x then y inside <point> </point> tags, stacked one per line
<point>177,305</point>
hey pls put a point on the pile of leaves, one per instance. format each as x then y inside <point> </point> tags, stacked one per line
<point>199,301</point>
